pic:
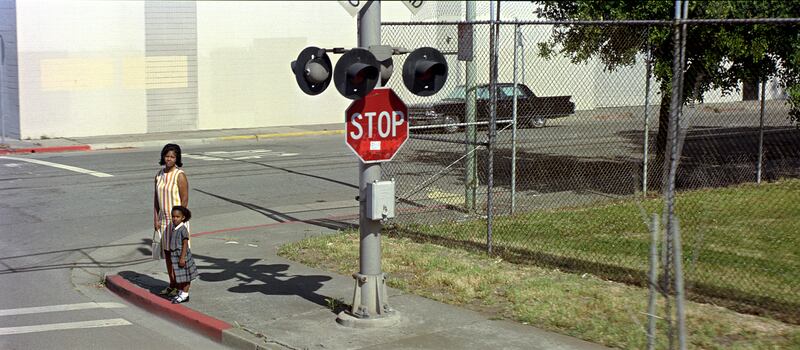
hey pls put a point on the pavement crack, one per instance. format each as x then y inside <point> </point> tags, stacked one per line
<point>267,339</point>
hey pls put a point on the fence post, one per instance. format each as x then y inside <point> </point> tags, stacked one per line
<point>679,45</point>
<point>649,62</point>
<point>679,292</point>
<point>492,122</point>
<point>761,133</point>
<point>470,134</point>
<point>514,128</point>
<point>652,277</point>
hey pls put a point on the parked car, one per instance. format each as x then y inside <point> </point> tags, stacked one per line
<point>532,110</point>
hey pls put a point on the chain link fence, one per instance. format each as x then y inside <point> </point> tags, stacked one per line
<point>577,177</point>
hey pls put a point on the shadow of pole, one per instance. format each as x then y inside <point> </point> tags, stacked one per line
<point>252,277</point>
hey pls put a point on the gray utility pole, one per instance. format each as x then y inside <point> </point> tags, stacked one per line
<point>2,90</point>
<point>370,307</point>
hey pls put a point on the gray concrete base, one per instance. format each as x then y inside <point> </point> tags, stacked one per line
<point>394,318</point>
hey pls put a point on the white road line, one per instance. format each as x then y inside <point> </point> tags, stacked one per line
<point>62,326</point>
<point>242,151</point>
<point>55,308</point>
<point>60,166</point>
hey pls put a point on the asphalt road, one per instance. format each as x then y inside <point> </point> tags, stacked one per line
<point>50,217</point>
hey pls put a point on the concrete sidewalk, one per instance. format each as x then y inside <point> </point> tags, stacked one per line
<point>248,297</point>
<point>157,140</point>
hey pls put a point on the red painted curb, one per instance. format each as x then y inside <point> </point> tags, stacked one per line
<point>47,149</point>
<point>207,325</point>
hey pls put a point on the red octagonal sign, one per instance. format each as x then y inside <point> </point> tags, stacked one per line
<point>376,126</point>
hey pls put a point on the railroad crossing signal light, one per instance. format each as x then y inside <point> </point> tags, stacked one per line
<point>356,73</point>
<point>387,68</point>
<point>425,71</point>
<point>312,70</point>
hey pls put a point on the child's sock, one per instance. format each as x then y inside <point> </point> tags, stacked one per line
<point>184,294</point>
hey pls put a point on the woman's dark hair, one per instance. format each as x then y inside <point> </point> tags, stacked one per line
<point>187,214</point>
<point>171,147</point>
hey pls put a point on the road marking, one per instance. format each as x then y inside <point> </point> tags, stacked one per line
<point>60,166</point>
<point>287,134</point>
<point>200,157</point>
<point>238,155</point>
<point>63,326</point>
<point>55,308</point>
<point>242,151</point>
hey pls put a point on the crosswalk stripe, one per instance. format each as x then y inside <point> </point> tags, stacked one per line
<point>55,308</point>
<point>60,166</point>
<point>63,326</point>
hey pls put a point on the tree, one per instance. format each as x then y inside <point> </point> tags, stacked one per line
<point>718,56</point>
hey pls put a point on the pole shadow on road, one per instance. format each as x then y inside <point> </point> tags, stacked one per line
<point>283,217</point>
<point>292,172</point>
<point>88,261</point>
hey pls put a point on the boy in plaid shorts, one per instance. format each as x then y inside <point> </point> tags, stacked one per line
<point>180,255</point>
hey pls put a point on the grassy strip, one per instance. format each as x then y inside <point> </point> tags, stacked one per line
<point>740,243</point>
<point>583,306</point>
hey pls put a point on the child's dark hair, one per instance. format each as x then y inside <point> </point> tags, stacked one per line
<point>171,147</point>
<point>187,214</point>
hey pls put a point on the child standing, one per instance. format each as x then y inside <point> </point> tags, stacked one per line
<point>180,255</point>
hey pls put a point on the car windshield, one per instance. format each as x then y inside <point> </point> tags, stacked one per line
<point>458,93</point>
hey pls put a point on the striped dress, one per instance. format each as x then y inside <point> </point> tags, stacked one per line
<point>168,197</point>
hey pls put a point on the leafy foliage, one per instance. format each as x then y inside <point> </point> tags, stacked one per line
<point>718,56</point>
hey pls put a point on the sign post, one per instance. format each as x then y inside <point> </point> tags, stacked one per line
<point>370,307</point>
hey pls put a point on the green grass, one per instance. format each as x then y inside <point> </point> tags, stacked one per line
<point>740,244</point>
<point>579,305</point>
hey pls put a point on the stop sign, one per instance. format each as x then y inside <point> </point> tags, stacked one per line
<point>376,126</point>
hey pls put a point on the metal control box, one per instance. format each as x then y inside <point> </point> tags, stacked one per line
<point>380,200</point>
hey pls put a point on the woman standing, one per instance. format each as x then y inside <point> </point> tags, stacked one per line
<point>171,189</point>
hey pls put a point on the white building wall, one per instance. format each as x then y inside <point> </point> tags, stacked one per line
<point>81,67</point>
<point>244,54</point>
<point>84,70</point>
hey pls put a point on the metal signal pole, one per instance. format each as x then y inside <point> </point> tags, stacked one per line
<point>370,306</point>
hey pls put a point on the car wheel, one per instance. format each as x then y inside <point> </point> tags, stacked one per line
<point>537,122</point>
<point>449,120</point>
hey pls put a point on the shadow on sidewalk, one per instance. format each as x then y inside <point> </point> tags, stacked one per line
<point>267,279</point>
<point>153,285</point>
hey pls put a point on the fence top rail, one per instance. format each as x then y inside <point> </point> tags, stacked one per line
<point>791,20</point>
<point>630,22</point>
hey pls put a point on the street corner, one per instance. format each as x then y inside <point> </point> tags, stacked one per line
<point>141,290</point>
<point>6,149</point>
